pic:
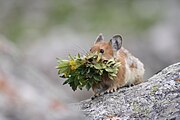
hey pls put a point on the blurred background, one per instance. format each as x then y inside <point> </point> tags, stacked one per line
<point>33,33</point>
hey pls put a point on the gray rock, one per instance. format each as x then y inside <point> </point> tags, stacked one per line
<point>28,94</point>
<point>158,98</point>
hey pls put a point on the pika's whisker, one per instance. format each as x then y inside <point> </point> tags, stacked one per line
<point>83,51</point>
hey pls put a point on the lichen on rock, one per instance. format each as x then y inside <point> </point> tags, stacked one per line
<point>158,98</point>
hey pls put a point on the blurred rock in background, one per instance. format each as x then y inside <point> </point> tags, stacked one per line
<point>44,30</point>
<point>28,94</point>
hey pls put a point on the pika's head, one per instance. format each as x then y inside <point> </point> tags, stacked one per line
<point>107,48</point>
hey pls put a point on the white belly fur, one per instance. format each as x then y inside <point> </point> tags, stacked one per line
<point>132,74</point>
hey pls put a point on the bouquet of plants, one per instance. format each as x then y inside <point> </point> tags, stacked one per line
<point>85,71</point>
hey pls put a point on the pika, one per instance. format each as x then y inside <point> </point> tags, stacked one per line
<point>130,72</point>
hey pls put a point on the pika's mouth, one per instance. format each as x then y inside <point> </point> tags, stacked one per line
<point>106,58</point>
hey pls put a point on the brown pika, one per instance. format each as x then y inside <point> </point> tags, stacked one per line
<point>130,72</point>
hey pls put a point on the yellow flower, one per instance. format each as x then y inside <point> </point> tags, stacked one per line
<point>65,75</point>
<point>73,67</point>
<point>98,58</point>
<point>73,64</point>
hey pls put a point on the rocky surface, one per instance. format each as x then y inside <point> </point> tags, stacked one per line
<point>158,98</point>
<point>28,94</point>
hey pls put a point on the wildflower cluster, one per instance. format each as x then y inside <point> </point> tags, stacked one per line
<point>87,70</point>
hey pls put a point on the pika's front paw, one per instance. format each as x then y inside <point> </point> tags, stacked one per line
<point>93,97</point>
<point>96,95</point>
<point>110,90</point>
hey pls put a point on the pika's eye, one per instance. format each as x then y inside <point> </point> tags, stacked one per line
<point>101,51</point>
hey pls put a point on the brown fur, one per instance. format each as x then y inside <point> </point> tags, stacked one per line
<point>121,73</point>
<point>107,85</point>
<point>108,53</point>
<point>138,81</point>
<point>133,65</point>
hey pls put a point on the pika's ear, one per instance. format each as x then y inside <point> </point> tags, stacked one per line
<point>116,42</point>
<point>99,38</point>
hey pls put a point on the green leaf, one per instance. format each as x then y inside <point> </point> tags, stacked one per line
<point>88,86</point>
<point>79,56</point>
<point>71,57</point>
<point>100,72</point>
<point>97,78</point>
<point>98,66</point>
<point>67,81</point>
<point>89,70</point>
<point>111,77</point>
<point>63,70</point>
<point>109,70</point>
